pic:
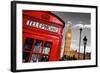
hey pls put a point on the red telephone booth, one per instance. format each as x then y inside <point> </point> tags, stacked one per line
<point>42,36</point>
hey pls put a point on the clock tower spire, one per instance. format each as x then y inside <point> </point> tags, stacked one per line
<point>68,36</point>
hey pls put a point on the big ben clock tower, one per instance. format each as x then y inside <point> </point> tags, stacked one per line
<point>68,39</point>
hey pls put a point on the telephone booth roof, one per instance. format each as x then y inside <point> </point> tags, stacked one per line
<point>45,16</point>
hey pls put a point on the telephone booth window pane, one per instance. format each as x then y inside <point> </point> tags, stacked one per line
<point>47,47</point>
<point>25,56</point>
<point>28,44</point>
<point>38,46</point>
<point>45,58</point>
<point>36,58</point>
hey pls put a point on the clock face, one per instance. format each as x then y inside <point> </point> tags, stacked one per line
<point>68,35</point>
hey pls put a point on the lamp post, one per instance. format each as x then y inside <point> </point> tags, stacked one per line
<point>84,42</point>
<point>80,42</point>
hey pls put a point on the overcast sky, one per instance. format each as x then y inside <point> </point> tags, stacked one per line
<point>77,20</point>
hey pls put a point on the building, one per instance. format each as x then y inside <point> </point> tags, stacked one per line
<point>70,54</point>
<point>68,39</point>
<point>73,55</point>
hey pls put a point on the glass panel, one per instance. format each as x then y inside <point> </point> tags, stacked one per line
<point>38,46</point>
<point>25,56</point>
<point>44,58</point>
<point>28,44</point>
<point>42,26</point>
<point>53,29</point>
<point>46,48</point>
<point>35,58</point>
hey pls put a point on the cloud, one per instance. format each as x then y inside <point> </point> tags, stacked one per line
<point>87,26</point>
<point>76,47</point>
<point>73,40</point>
<point>82,26</point>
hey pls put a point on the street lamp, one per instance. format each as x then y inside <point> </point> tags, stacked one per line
<point>84,42</point>
<point>80,41</point>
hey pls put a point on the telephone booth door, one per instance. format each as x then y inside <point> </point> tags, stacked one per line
<point>38,50</point>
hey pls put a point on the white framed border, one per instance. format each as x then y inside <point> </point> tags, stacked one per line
<point>42,65</point>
